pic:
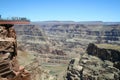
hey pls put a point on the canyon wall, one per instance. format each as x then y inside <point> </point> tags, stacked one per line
<point>97,64</point>
<point>9,66</point>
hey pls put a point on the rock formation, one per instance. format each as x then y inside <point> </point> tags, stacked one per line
<point>94,65</point>
<point>105,54</point>
<point>9,67</point>
<point>91,68</point>
<point>62,41</point>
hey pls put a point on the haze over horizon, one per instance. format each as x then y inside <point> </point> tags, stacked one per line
<point>62,10</point>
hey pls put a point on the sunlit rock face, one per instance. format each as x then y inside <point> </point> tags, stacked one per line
<point>9,67</point>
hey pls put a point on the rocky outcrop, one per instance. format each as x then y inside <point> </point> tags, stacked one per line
<point>105,54</point>
<point>97,64</point>
<point>74,70</point>
<point>89,67</point>
<point>9,67</point>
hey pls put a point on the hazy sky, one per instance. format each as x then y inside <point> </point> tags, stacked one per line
<point>75,10</point>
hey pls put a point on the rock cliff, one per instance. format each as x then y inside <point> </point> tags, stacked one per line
<point>9,67</point>
<point>105,53</point>
<point>91,66</point>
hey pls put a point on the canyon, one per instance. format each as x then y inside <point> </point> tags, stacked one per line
<point>58,50</point>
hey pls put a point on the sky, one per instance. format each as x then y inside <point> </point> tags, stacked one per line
<point>62,10</point>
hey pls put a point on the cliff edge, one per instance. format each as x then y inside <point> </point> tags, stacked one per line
<point>9,67</point>
<point>97,64</point>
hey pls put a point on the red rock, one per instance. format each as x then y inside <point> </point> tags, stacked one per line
<point>8,51</point>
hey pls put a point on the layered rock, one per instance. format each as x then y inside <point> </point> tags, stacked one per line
<point>105,53</point>
<point>91,68</point>
<point>85,32</point>
<point>32,38</point>
<point>97,64</point>
<point>9,67</point>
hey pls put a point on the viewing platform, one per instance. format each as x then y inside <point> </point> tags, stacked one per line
<point>14,22</point>
<point>9,22</point>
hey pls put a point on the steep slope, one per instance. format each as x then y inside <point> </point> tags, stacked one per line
<point>33,65</point>
<point>106,52</point>
<point>32,38</point>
